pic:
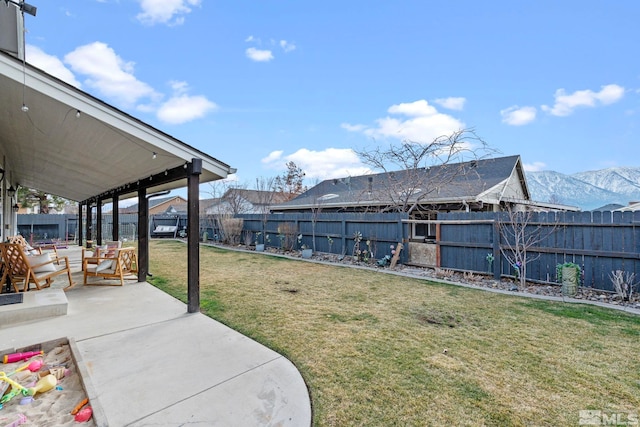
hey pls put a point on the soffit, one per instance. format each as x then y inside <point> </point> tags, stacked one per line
<point>51,149</point>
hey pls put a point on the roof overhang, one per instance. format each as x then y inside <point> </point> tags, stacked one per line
<point>73,145</point>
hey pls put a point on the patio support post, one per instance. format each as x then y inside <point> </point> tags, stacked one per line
<point>99,222</point>
<point>193,235</point>
<point>115,219</point>
<point>143,234</point>
<point>88,221</point>
<point>79,230</point>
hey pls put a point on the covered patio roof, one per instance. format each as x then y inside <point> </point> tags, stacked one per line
<point>71,144</point>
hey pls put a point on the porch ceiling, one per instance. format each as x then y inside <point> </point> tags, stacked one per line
<point>53,149</point>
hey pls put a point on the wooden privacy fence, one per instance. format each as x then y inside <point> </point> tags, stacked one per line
<point>600,242</point>
<point>332,232</point>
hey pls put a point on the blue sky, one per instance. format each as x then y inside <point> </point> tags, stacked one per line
<point>257,84</point>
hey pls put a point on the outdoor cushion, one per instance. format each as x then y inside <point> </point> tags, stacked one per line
<point>40,259</point>
<point>104,265</point>
<point>30,250</point>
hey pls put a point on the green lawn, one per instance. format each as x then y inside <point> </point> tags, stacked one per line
<point>384,350</point>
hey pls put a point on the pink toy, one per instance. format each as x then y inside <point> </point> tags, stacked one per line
<point>33,367</point>
<point>83,415</point>
<point>17,357</point>
<point>15,421</point>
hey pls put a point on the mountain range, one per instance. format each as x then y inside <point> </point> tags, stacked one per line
<point>587,190</point>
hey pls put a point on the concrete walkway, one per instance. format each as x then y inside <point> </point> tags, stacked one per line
<point>188,368</point>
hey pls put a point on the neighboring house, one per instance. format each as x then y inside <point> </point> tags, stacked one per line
<point>608,208</point>
<point>158,206</point>
<point>473,186</point>
<point>632,206</point>
<point>241,201</point>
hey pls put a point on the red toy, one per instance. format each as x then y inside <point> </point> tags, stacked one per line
<point>84,415</point>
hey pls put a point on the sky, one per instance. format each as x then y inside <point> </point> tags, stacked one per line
<point>257,84</point>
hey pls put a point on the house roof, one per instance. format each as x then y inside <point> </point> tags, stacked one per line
<point>633,206</point>
<point>256,197</point>
<point>609,207</point>
<point>175,200</point>
<point>73,145</point>
<point>451,183</point>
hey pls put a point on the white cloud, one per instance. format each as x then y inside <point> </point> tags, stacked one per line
<point>170,12</point>
<point>353,128</point>
<point>566,103</point>
<point>518,116</point>
<point>108,74</point>
<point>51,64</point>
<point>534,167</point>
<point>273,157</point>
<point>286,46</point>
<point>184,108</point>
<point>423,124</point>
<point>259,55</point>
<point>451,103</point>
<point>112,77</point>
<point>249,39</point>
<point>325,164</point>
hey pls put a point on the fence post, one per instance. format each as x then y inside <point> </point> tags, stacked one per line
<point>497,256</point>
<point>344,236</point>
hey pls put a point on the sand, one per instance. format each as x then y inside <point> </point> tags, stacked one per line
<point>50,408</point>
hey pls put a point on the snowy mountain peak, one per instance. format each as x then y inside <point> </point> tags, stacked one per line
<point>587,190</point>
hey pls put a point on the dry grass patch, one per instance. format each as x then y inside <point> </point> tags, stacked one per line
<point>372,346</point>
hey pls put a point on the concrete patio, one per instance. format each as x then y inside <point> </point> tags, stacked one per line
<point>188,367</point>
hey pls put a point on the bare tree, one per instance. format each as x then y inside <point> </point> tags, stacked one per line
<point>265,197</point>
<point>316,209</point>
<point>555,199</point>
<point>229,197</point>
<point>413,171</point>
<point>520,234</point>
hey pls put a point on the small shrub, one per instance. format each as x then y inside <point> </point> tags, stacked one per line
<point>624,283</point>
<point>246,237</point>
<point>288,234</point>
<point>470,276</point>
<point>443,273</point>
<point>232,230</point>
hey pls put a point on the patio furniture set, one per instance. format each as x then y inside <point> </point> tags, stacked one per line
<point>24,265</point>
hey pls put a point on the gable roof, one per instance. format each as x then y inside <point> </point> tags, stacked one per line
<point>470,181</point>
<point>632,206</point>
<point>608,207</point>
<point>176,200</point>
<point>256,197</point>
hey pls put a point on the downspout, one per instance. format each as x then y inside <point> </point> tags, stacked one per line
<point>466,205</point>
